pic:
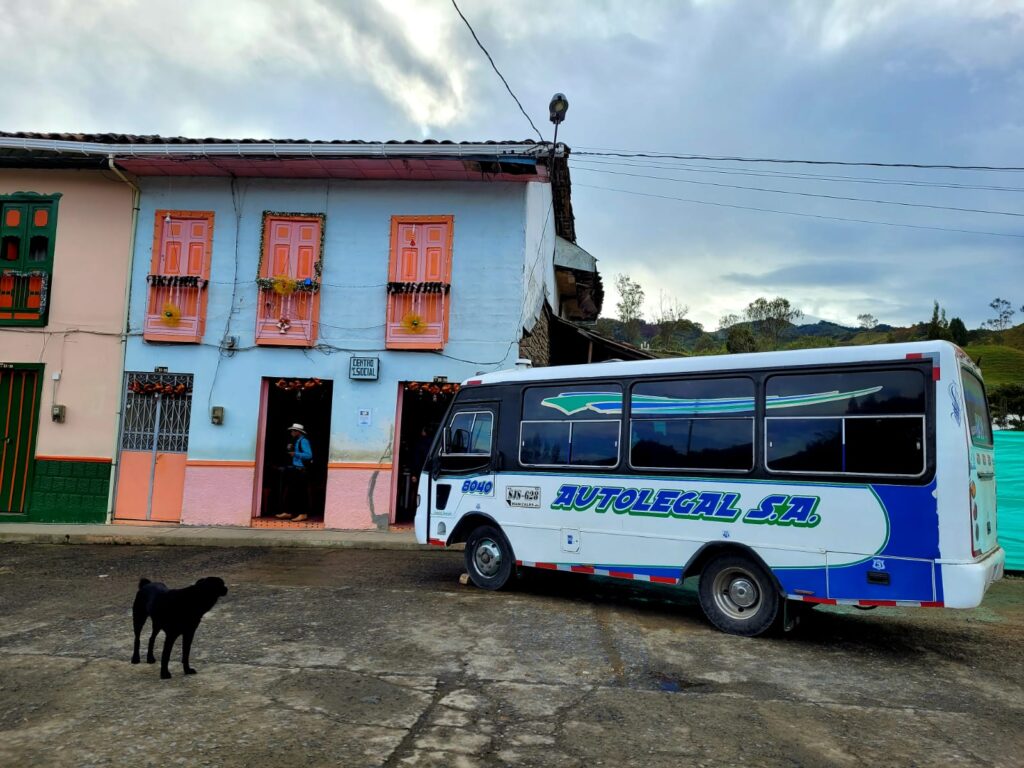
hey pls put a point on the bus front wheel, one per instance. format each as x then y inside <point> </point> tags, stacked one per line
<point>489,558</point>
<point>738,596</point>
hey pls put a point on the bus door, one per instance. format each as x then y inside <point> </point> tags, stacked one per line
<point>464,479</point>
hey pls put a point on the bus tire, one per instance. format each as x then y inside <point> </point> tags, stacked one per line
<point>489,559</point>
<point>738,595</point>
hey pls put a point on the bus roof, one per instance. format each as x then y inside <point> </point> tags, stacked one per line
<point>714,363</point>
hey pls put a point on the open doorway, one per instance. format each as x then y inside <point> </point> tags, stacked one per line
<point>284,490</point>
<point>421,409</point>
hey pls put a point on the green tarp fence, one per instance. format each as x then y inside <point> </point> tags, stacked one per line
<point>1010,496</point>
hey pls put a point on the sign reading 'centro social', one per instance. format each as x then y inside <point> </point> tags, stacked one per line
<point>366,368</point>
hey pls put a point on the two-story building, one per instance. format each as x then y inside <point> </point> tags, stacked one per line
<point>346,287</point>
<point>65,243</point>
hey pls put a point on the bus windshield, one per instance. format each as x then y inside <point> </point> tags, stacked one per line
<point>977,411</point>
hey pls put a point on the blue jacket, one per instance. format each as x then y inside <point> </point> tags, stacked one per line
<point>303,452</point>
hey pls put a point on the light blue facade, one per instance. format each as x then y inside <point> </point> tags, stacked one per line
<point>502,243</point>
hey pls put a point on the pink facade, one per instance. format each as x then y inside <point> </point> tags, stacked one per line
<point>221,493</point>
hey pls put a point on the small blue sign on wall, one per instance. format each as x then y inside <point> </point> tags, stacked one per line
<point>364,368</point>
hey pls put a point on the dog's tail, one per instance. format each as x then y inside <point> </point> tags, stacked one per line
<point>144,582</point>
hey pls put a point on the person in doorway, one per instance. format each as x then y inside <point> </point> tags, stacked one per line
<point>296,482</point>
<point>420,451</point>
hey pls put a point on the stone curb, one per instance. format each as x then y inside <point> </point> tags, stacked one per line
<point>205,538</point>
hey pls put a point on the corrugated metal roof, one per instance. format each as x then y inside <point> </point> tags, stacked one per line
<point>132,138</point>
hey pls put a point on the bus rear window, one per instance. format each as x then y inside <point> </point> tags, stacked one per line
<point>978,421</point>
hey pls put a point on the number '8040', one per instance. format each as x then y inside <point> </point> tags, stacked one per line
<point>478,486</point>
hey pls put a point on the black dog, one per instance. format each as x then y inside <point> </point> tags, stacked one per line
<point>176,612</point>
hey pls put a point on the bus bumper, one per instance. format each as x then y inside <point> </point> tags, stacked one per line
<point>964,584</point>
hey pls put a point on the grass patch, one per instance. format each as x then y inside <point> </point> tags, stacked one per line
<point>1000,364</point>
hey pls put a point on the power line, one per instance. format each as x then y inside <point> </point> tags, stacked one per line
<point>804,194</point>
<point>496,71</point>
<point>741,171</point>
<point>800,213</point>
<point>739,159</point>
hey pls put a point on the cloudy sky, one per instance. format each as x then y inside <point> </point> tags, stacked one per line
<point>896,81</point>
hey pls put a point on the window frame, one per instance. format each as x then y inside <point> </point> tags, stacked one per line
<point>444,435</point>
<point>755,393</point>
<point>987,445</point>
<point>30,199</point>
<point>570,422</point>
<point>444,288</point>
<point>926,468</point>
<point>159,220</point>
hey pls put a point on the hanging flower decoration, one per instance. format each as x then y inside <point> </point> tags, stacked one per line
<point>284,285</point>
<point>292,385</point>
<point>284,324</point>
<point>414,323</point>
<point>429,287</point>
<point>140,387</point>
<point>434,389</point>
<point>171,315</point>
<point>177,281</point>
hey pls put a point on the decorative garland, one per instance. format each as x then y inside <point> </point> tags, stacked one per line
<point>177,281</point>
<point>432,389</point>
<point>402,287</point>
<point>153,388</point>
<point>311,285</point>
<point>284,285</point>
<point>297,384</point>
<point>44,277</point>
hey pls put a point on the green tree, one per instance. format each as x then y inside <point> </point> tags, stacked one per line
<point>727,321</point>
<point>1007,404</point>
<point>958,332</point>
<point>630,306</point>
<point>1004,314</point>
<point>740,339</point>
<point>670,319</point>
<point>938,326</point>
<point>707,345</point>
<point>867,322</point>
<point>771,318</point>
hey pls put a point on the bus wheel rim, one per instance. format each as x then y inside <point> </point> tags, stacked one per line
<point>487,557</point>
<point>737,594</point>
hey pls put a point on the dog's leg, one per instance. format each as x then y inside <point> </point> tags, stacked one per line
<point>150,658</point>
<point>165,673</point>
<point>186,649</point>
<point>138,621</point>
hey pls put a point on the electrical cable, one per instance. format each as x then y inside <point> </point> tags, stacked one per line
<point>740,159</point>
<point>497,71</point>
<point>800,213</point>
<point>804,194</point>
<point>831,178</point>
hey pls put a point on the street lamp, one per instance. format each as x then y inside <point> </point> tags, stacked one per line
<point>557,108</point>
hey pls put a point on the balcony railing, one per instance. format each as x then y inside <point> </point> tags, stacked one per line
<point>287,312</point>
<point>417,315</point>
<point>176,308</point>
<point>23,295</point>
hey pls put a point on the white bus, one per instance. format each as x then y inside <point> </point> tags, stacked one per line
<point>848,475</point>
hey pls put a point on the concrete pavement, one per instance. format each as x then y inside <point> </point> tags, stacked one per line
<point>336,657</point>
<point>195,536</point>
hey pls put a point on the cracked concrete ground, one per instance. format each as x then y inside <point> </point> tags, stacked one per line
<point>356,658</point>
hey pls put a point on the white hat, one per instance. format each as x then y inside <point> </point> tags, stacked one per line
<point>297,428</point>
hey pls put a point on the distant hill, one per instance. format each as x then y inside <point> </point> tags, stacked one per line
<point>1000,364</point>
<point>1001,354</point>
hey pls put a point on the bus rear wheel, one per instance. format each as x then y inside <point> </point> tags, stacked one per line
<point>738,596</point>
<point>489,558</point>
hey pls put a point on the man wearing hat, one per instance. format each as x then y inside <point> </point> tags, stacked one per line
<point>296,483</point>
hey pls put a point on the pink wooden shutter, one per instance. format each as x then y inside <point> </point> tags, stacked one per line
<point>289,303</point>
<point>179,276</point>
<point>419,279</point>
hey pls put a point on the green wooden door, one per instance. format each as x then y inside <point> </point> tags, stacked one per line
<point>19,408</point>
